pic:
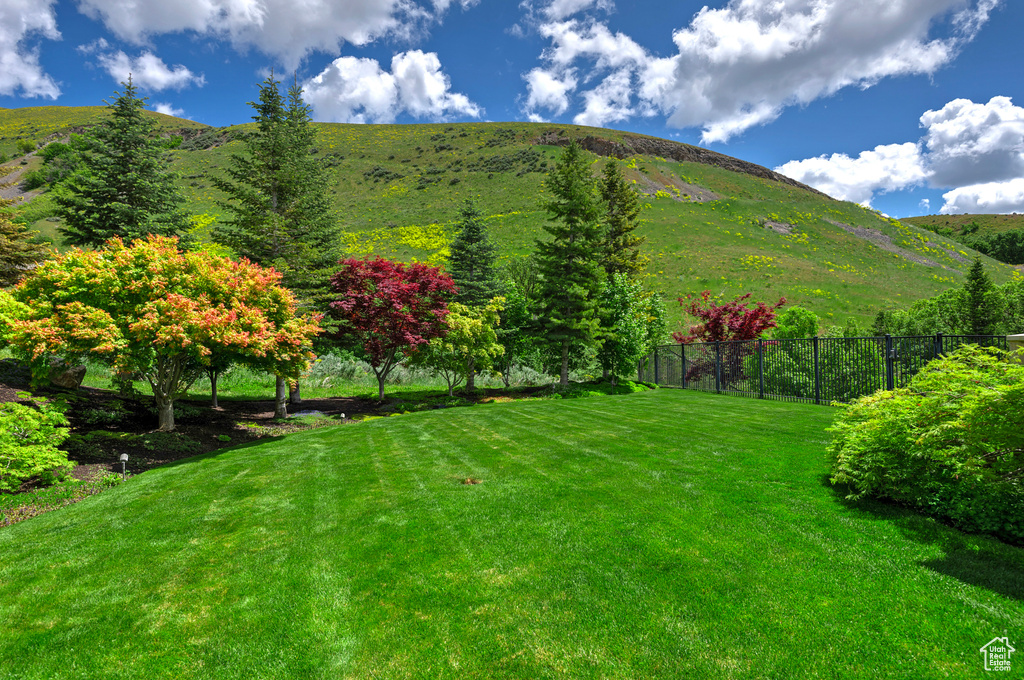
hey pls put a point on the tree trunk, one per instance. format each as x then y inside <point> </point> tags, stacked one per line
<point>380,387</point>
<point>165,413</point>
<point>564,379</point>
<point>295,394</point>
<point>470,374</point>
<point>605,375</point>
<point>281,399</point>
<point>213,388</point>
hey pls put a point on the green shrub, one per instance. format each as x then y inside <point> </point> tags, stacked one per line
<point>951,444</point>
<point>29,438</point>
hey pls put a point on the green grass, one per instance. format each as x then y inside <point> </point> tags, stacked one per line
<point>661,534</point>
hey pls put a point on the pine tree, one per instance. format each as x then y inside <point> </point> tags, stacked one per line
<point>18,254</point>
<point>568,263</point>
<point>621,247</point>
<point>278,200</point>
<point>123,187</point>
<point>278,196</point>
<point>979,304</point>
<point>472,260</point>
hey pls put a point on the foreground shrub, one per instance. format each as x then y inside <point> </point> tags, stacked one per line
<point>29,438</point>
<point>951,444</point>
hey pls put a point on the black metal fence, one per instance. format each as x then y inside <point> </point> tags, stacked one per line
<point>818,370</point>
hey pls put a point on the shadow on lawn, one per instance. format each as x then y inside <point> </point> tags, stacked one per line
<point>973,559</point>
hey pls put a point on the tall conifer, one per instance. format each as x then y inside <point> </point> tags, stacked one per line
<point>278,202</point>
<point>123,187</point>
<point>621,247</point>
<point>569,262</point>
<point>277,196</point>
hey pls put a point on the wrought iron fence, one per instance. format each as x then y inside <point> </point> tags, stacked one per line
<point>818,370</point>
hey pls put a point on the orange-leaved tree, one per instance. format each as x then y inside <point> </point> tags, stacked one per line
<point>151,309</point>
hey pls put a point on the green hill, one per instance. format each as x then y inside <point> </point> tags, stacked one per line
<point>714,222</point>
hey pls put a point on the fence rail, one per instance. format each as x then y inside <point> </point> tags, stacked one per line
<point>816,370</point>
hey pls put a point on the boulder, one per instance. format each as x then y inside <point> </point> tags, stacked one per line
<point>66,376</point>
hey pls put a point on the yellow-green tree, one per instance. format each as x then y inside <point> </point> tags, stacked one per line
<point>470,345</point>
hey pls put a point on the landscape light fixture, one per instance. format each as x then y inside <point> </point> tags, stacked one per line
<point>124,462</point>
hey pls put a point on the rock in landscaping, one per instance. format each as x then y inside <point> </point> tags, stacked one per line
<point>66,376</point>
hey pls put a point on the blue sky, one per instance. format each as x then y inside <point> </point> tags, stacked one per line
<point>910,106</point>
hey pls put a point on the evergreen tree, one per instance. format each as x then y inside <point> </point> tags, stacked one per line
<point>568,263</point>
<point>278,197</point>
<point>18,254</point>
<point>473,256</point>
<point>279,203</point>
<point>980,312</point>
<point>123,187</point>
<point>621,247</point>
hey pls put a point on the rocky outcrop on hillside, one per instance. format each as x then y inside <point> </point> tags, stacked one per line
<point>632,145</point>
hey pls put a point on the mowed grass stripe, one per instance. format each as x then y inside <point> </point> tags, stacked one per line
<point>662,534</point>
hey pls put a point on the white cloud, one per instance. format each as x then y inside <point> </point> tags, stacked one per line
<point>886,168</point>
<point>978,149</point>
<point>281,28</point>
<point>741,65</point>
<point>972,143</point>
<point>991,197</point>
<point>549,90</point>
<point>148,71</point>
<point>20,71</point>
<point>608,102</point>
<point>168,109</point>
<point>557,10</point>
<point>353,90</point>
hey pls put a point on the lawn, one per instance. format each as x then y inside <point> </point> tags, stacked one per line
<point>660,534</point>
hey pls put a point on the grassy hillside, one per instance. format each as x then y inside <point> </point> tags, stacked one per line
<point>714,222</point>
<point>987,224</point>
<point>665,534</point>
<point>40,123</point>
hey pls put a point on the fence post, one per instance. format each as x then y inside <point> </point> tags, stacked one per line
<point>640,371</point>
<point>656,366</point>
<point>938,345</point>
<point>817,372</point>
<point>890,378</point>
<point>718,366</point>
<point>760,368</point>
<point>683,347</point>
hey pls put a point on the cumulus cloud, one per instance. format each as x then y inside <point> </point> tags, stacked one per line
<point>20,71</point>
<point>550,91</point>
<point>608,102</point>
<point>991,197</point>
<point>888,167</point>
<point>971,143</point>
<point>549,88</point>
<point>977,149</point>
<point>168,109</point>
<point>354,90</point>
<point>278,27</point>
<point>743,64</point>
<point>148,71</point>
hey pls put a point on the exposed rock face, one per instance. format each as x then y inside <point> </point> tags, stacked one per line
<point>683,153</point>
<point>66,376</point>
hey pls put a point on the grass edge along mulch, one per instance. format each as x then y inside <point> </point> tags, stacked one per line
<point>659,534</point>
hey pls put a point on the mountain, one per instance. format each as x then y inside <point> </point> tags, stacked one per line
<point>713,222</point>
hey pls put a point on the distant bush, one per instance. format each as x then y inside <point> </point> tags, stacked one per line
<point>29,437</point>
<point>26,146</point>
<point>951,444</point>
<point>33,180</point>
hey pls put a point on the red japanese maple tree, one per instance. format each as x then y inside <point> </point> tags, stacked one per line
<point>733,320</point>
<point>390,308</point>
